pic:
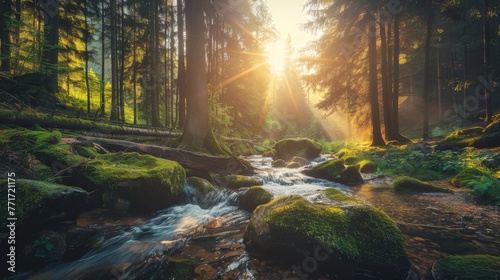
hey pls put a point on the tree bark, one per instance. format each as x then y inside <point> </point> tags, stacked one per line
<point>180,65</point>
<point>487,39</point>
<point>103,62</point>
<point>115,113</point>
<point>5,14</point>
<point>377,139</point>
<point>197,133</point>
<point>386,95</point>
<point>50,54</point>
<point>427,70</point>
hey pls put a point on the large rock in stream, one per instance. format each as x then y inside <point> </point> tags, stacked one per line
<point>334,170</point>
<point>287,149</point>
<point>40,203</point>
<point>351,242</point>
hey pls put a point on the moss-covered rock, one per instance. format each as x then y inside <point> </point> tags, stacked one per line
<point>293,164</point>
<point>201,185</point>
<point>478,267</point>
<point>360,242</point>
<point>279,163</point>
<point>237,181</point>
<point>287,149</point>
<point>269,153</point>
<point>148,183</point>
<point>302,161</point>
<point>351,176</point>
<point>367,166</point>
<point>328,170</point>
<point>341,197</point>
<point>408,185</point>
<point>464,177</point>
<point>254,197</point>
<point>40,203</point>
<point>335,171</point>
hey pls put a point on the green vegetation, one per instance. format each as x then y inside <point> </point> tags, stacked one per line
<point>287,149</point>
<point>466,176</point>
<point>254,197</point>
<point>367,166</point>
<point>408,185</point>
<point>477,267</point>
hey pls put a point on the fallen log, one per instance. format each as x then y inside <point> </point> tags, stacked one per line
<point>188,159</point>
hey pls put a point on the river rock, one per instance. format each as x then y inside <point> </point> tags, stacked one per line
<point>237,181</point>
<point>254,197</point>
<point>335,171</point>
<point>467,267</point>
<point>203,186</point>
<point>354,242</point>
<point>408,185</point>
<point>40,203</point>
<point>287,149</point>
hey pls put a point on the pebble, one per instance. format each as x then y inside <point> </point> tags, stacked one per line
<point>417,238</point>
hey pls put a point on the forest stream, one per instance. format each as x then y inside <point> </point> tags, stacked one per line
<point>209,232</point>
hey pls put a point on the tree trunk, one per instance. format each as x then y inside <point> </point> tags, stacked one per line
<point>395,92</point>
<point>155,66</point>
<point>180,64</point>
<point>134,66</point>
<point>188,159</point>
<point>487,39</point>
<point>50,54</point>
<point>197,133</point>
<point>122,62</point>
<point>87,38</point>
<point>114,66</point>
<point>103,62</point>
<point>427,70</point>
<point>386,96</point>
<point>5,14</point>
<point>377,139</point>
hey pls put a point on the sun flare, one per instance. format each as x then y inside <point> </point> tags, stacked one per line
<point>275,54</point>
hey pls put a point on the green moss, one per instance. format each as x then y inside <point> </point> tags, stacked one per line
<point>464,177</point>
<point>200,184</point>
<point>339,196</point>
<point>367,166</point>
<point>109,170</point>
<point>477,267</point>
<point>279,163</point>
<point>31,198</point>
<point>87,152</point>
<point>269,153</point>
<point>291,226</point>
<point>332,167</point>
<point>238,181</point>
<point>408,185</point>
<point>254,197</point>
<point>288,148</point>
<point>293,164</point>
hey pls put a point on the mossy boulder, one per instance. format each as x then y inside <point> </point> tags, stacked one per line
<point>279,163</point>
<point>478,267</point>
<point>408,185</point>
<point>293,164</point>
<point>360,242</point>
<point>287,149</point>
<point>147,182</point>
<point>351,176</point>
<point>40,203</point>
<point>269,153</point>
<point>203,186</point>
<point>254,197</point>
<point>328,170</point>
<point>237,181</point>
<point>367,166</point>
<point>302,161</point>
<point>464,177</point>
<point>335,171</point>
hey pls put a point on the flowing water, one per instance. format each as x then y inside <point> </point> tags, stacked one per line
<point>206,230</point>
